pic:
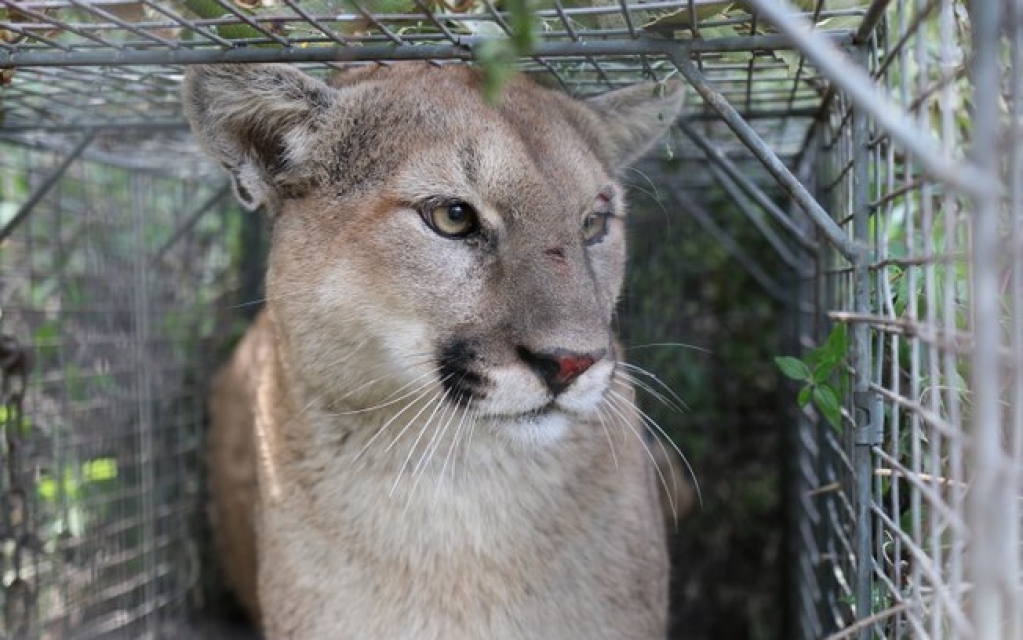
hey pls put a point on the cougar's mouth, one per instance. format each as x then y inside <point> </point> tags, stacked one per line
<point>514,395</point>
<point>542,411</point>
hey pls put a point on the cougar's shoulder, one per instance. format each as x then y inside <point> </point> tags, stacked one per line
<point>232,463</point>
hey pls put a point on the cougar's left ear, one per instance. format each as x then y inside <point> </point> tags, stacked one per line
<point>258,121</point>
<point>634,118</point>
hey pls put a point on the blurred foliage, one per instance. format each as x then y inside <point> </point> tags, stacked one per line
<point>710,333</point>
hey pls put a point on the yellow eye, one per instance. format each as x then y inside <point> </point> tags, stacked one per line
<point>454,219</point>
<point>594,227</point>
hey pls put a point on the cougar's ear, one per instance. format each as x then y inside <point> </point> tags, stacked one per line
<point>634,118</point>
<point>256,120</point>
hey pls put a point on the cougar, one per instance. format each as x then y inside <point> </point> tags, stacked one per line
<point>428,432</point>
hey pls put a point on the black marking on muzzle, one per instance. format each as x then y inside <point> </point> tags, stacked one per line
<point>454,363</point>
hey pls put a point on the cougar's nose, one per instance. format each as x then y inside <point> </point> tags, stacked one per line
<point>558,369</point>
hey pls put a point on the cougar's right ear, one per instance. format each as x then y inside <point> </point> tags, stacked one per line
<point>258,121</point>
<point>633,118</point>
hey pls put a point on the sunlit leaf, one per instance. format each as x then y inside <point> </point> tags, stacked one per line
<point>99,469</point>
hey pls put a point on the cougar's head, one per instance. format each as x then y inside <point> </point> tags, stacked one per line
<point>430,245</point>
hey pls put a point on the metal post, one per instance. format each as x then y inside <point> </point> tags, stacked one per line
<point>461,49</point>
<point>874,14</point>
<point>783,249</point>
<point>739,179</point>
<point>867,432</point>
<point>1015,178</point>
<point>861,89</point>
<point>765,154</point>
<point>991,498</point>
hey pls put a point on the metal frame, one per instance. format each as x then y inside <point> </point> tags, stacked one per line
<point>850,112</point>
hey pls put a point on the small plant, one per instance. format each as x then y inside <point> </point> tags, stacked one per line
<point>817,371</point>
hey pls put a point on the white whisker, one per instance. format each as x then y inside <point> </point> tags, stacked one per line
<point>646,449</point>
<point>319,396</point>
<point>391,420</point>
<point>647,420</point>
<point>439,400</point>
<point>387,401</point>
<point>420,359</point>
<point>655,195</point>
<point>436,438</point>
<point>671,392</point>
<point>437,435</point>
<point>447,458</point>
<point>669,344</point>
<point>607,432</point>
<point>664,451</point>
<point>467,447</point>
<point>656,395</point>
<point>294,292</point>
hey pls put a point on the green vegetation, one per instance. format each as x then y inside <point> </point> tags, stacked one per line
<point>817,372</point>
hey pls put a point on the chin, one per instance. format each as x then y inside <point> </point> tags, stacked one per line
<point>533,430</point>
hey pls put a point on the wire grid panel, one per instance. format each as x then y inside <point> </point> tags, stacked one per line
<point>915,420</point>
<point>119,58</point>
<point>92,285</point>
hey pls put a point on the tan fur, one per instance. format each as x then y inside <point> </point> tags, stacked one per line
<point>378,506</point>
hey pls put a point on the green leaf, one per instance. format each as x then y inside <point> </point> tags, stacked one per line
<point>47,488</point>
<point>838,340</point>
<point>826,401</point>
<point>99,469</point>
<point>822,372</point>
<point>793,368</point>
<point>804,396</point>
<point>497,59</point>
<point>8,416</point>
<point>813,357</point>
<point>47,333</point>
<point>523,26</point>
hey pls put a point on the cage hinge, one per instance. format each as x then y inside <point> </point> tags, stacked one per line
<point>868,408</point>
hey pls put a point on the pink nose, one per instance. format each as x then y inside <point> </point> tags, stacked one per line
<point>571,367</point>
<point>558,368</point>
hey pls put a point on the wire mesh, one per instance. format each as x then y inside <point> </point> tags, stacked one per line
<point>66,54</point>
<point>888,127</point>
<point>922,322</point>
<point>92,285</point>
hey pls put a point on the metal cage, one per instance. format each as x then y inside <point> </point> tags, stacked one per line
<point>869,149</point>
